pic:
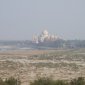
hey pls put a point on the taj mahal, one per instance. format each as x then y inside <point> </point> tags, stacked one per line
<point>45,37</point>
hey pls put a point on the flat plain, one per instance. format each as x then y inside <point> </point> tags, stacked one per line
<point>28,65</point>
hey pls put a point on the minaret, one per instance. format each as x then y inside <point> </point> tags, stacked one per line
<point>35,39</point>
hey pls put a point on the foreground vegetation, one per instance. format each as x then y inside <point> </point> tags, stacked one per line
<point>44,81</point>
<point>47,81</point>
<point>10,81</point>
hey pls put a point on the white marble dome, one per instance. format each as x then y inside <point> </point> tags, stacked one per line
<point>45,32</point>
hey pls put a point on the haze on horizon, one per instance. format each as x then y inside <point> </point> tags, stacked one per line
<point>20,19</point>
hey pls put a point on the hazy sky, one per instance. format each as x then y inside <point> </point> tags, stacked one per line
<point>20,19</point>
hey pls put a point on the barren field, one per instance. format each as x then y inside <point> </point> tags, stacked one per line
<point>28,65</point>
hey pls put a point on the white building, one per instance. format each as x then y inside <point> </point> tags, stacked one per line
<point>45,36</point>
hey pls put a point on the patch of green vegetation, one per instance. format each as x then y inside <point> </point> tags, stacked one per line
<point>47,81</point>
<point>44,81</point>
<point>10,81</point>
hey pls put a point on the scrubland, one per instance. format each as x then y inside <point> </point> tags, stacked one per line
<point>29,65</point>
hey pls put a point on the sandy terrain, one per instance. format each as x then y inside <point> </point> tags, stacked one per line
<point>28,65</point>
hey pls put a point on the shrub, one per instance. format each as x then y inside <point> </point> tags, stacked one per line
<point>47,81</point>
<point>10,81</point>
<point>2,82</point>
<point>79,81</point>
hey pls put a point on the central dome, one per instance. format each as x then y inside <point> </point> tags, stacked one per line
<point>45,32</point>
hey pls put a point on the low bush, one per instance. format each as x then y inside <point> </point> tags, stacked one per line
<point>10,81</point>
<point>79,81</point>
<point>47,81</point>
<point>44,81</point>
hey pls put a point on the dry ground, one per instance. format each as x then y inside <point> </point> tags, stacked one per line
<point>28,65</point>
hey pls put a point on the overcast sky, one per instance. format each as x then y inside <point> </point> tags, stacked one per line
<point>20,19</point>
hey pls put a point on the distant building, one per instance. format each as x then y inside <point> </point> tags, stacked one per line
<point>45,37</point>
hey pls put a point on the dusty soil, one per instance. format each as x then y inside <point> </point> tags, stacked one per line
<point>28,65</point>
